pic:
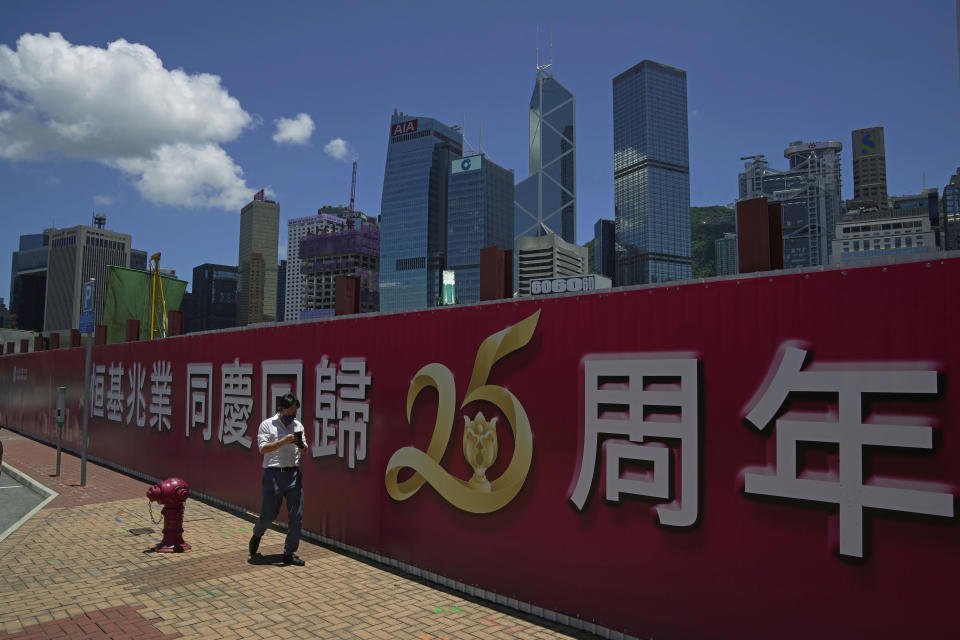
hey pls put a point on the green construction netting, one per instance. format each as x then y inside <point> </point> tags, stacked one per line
<point>128,297</point>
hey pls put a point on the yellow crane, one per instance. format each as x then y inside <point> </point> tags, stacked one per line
<point>158,303</point>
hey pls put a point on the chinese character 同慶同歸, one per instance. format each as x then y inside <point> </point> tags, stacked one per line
<point>325,432</point>
<point>342,417</point>
<point>849,432</point>
<point>279,377</point>
<point>641,398</point>
<point>199,401</point>
<point>352,413</point>
<point>237,403</point>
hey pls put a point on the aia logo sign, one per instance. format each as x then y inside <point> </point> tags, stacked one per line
<point>410,126</point>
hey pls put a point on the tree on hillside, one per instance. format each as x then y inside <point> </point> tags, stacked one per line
<point>706,225</point>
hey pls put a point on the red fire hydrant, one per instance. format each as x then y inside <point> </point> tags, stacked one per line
<point>171,493</point>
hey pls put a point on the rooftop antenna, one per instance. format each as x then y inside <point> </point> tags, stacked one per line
<point>542,68</point>
<point>551,45</point>
<point>463,136</point>
<point>480,139</point>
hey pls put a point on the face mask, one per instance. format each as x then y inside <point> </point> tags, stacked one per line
<point>287,419</point>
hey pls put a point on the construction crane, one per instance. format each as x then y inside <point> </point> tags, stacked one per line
<point>353,186</point>
<point>158,302</point>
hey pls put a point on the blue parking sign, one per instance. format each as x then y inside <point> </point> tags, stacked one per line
<point>86,300</point>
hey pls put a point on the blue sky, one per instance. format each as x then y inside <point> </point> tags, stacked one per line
<point>165,132</point>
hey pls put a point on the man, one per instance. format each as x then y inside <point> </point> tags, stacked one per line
<point>282,442</point>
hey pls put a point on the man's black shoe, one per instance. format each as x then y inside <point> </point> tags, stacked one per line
<point>293,559</point>
<point>254,545</point>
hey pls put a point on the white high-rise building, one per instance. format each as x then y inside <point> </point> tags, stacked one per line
<point>548,256</point>
<point>297,230</point>
<point>76,255</point>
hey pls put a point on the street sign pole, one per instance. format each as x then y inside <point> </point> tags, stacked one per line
<point>86,410</point>
<point>60,405</point>
<point>86,326</point>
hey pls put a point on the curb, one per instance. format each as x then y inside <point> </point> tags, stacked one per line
<point>31,484</point>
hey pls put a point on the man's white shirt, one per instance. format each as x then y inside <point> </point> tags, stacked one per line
<point>273,429</point>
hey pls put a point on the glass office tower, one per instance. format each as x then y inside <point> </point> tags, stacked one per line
<point>651,174</point>
<point>809,192</point>
<point>413,222</point>
<point>604,243</point>
<point>546,201</point>
<point>951,212</point>
<point>479,215</point>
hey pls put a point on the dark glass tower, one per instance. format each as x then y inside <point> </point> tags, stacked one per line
<point>413,219</point>
<point>213,304</point>
<point>546,201</point>
<point>479,215</point>
<point>951,209</point>
<point>281,291</point>
<point>28,280</point>
<point>651,174</point>
<point>604,241</point>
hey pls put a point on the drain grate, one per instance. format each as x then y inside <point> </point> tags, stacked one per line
<point>141,531</point>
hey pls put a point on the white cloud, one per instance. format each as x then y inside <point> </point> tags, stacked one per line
<point>189,175</point>
<point>103,201</point>
<point>340,149</point>
<point>121,107</point>
<point>294,131</point>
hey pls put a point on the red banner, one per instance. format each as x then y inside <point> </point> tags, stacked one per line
<point>765,457</point>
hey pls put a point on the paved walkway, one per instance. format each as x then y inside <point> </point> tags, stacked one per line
<point>82,568</point>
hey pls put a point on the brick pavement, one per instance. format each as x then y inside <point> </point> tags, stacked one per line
<point>82,568</point>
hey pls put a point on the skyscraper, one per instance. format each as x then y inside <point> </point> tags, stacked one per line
<point>76,255</point>
<point>927,200</point>
<point>604,243</point>
<point>138,259</point>
<point>651,174</point>
<point>282,291</point>
<point>951,212</point>
<point>257,262</point>
<point>28,280</point>
<point>480,214</point>
<point>809,192</point>
<point>213,303</point>
<point>413,218</point>
<point>546,201</point>
<point>869,168</point>
<point>725,250</point>
<point>548,256</point>
<point>297,229</point>
<point>351,252</point>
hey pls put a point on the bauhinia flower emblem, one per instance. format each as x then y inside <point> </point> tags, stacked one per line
<point>478,494</point>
